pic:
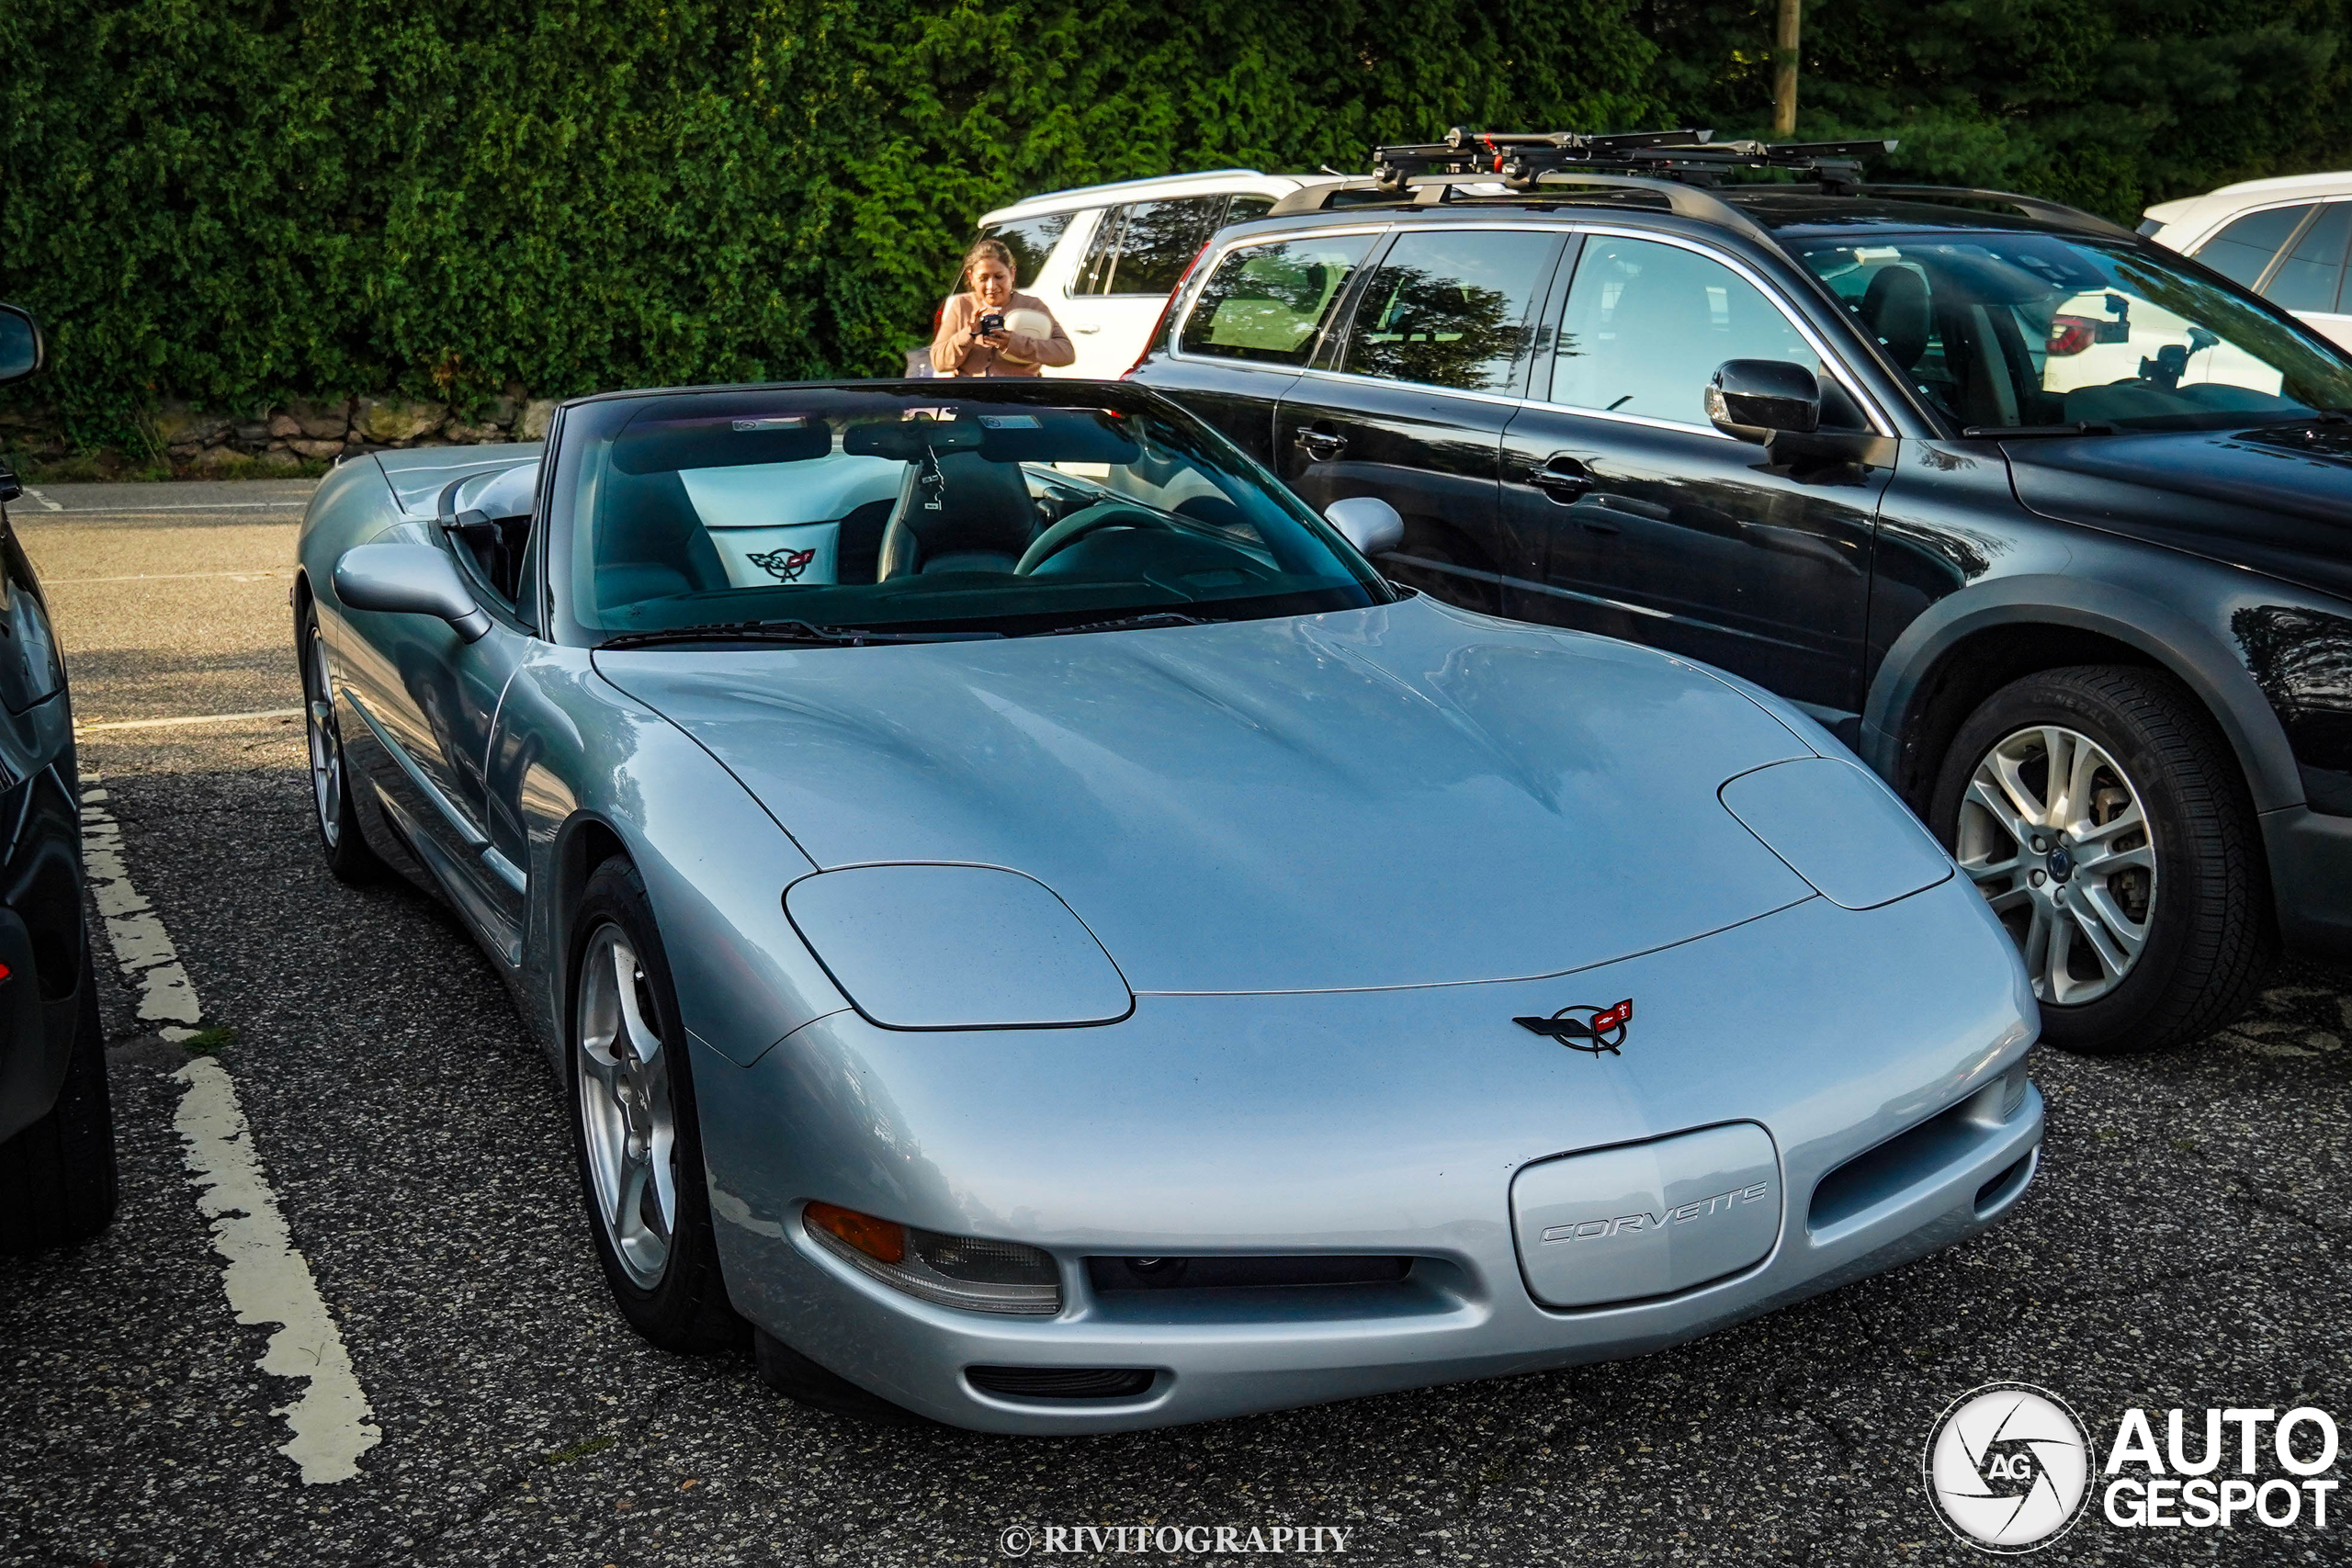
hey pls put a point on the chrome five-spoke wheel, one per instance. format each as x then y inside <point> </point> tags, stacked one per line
<point>627,1111</point>
<point>2054,834</point>
<point>326,746</point>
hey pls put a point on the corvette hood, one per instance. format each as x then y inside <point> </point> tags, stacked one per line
<point>2279,500</point>
<point>1396,795</point>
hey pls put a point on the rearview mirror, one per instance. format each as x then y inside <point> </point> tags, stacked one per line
<point>1754,399</point>
<point>1368,523</point>
<point>21,349</point>
<point>411,579</point>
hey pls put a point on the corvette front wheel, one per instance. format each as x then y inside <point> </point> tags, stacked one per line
<point>634,1127</point>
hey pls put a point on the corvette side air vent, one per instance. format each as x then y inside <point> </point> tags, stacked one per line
<point>1061,1383</point>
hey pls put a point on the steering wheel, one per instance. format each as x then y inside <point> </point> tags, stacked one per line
<point>1084,521</point>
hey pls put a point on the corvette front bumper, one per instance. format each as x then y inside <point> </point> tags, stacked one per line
<point>1380,1122</point>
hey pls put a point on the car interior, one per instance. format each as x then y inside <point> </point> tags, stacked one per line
<point>2006,331</point>
<point>930,512</point>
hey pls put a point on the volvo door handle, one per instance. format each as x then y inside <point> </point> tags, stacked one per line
<point>1321,446</point>
<point>1562,478</point>
<point>1088,331</point>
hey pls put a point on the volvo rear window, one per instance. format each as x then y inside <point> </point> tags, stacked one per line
<point>1271,302</point>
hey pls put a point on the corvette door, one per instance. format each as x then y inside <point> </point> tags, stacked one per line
<point>428,698</point>
<point>1646,523</point>
<point>1426,379</point>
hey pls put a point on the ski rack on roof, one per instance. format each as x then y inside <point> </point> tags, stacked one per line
<point>1520,159</point>
<point>1683,166</point>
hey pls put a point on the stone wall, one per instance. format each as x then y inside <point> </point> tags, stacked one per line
<point>200,441</point>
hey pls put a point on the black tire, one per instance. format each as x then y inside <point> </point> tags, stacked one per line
<point>2208,934</point>
<point>685,1308</point>
<point>796,1377</point>
<point>332,810</point>
<point>63,1166</point>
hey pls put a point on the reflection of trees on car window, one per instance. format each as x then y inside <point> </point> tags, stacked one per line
<point>1267,302</point>
<point>1421,326</point>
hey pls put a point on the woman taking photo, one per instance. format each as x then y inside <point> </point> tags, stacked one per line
<point>990,330</point>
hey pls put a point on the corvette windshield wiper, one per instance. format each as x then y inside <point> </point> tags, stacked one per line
<point>2080,427</point>
<point>799,632</point>
<point>1132,623</point>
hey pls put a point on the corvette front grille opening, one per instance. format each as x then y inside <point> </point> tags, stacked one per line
<point>1110,1275</point>
<point>1061,1383</point>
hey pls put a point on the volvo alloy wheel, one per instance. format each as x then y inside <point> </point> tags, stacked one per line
<point>2054,833</point>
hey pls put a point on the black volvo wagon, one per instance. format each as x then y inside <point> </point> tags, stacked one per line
<point>2051,526</point>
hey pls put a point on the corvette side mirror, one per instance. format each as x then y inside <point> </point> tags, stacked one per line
<point>21,349</point>
<point>1370,524</point>
<point>1753,400</point>
<point>412,580</point>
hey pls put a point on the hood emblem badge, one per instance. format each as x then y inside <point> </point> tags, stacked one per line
<point>1582,1028</point>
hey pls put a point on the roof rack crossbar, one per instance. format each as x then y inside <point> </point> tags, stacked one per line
<point>2031,206</point>
<point>1520,158</point>
<point>1684,199</point>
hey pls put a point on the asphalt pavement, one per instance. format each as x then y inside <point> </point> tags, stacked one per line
<point>2184,1245</point>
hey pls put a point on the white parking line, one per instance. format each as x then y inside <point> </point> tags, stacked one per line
<point>162,577</point>
<point>167,510</point>
<point>179,719</point>
<point>266,1278</point>
<point>45,504</point>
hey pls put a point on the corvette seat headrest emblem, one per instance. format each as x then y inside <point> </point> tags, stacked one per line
<point>1585,1028</point>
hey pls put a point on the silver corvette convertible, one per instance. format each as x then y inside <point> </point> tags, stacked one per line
<point>1029,922</point>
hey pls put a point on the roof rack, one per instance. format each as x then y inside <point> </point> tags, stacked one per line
<point>1682,166</point>
<point>2031,206</point>
<point>1520,159</point>
<point>1428,190</point>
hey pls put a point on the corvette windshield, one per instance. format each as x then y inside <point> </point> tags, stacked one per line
<point>800,514</point>
<point>2001,330</point>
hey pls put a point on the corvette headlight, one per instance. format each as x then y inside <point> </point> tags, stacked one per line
<point>967,1272</point>
<point>956,947</point>
<point>1840,828</point>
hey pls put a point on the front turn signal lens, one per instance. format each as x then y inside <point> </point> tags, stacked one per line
<point>885,1241</point>
<point>975,1273</point>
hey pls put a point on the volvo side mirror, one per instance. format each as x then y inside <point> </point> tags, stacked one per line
<point>22,351</point>
<point>410,579</point>
<point>1754,399</point>
<point>1368,523</point>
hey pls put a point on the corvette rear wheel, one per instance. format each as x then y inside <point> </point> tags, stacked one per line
<point>634,1128</point>
<point>2105,821</point>
<point>347,854</point>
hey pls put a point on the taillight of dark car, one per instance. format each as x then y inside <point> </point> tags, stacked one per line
<point>1160,324</point>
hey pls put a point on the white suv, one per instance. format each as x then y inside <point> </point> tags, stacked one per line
<point>1104,257</point>
<point>2286,239</point>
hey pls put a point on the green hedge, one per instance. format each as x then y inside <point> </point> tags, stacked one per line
<point>238,203</point>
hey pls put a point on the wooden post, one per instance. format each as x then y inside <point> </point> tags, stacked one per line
<point>1785,69</point>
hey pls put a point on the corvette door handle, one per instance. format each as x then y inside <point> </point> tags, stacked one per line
<point>1321,446</point>
<point>1562,478</point>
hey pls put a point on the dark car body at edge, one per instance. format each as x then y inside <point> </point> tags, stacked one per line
<point>56,1126</point>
